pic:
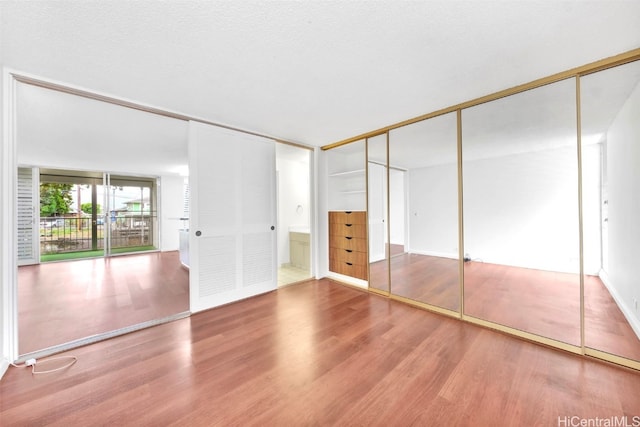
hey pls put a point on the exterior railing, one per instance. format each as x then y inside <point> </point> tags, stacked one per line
<point>73,234</point>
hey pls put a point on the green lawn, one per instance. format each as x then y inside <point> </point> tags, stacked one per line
<point>92,254</point>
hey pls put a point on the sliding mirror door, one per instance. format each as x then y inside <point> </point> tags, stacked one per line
<point>378,212</point>
<point>610,110</point>
<point>521,220</point>
<point>423,157</point>
<point>104,170</point>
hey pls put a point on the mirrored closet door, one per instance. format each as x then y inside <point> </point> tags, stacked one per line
<point>610,111</point>
<point>521,219</point>
<point>423,156</point>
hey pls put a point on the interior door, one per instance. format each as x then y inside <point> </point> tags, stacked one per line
<point>232,233</point>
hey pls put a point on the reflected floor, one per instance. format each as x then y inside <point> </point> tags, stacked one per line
<point>65,301</point>
<point>541,302</point>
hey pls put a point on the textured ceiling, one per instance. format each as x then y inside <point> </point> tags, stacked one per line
<point>310,71</point>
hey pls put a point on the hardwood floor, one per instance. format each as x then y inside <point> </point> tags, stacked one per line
<point>541,302</point>
<point>318,353</point>
<point>64,301</point>
<point>427,278</point>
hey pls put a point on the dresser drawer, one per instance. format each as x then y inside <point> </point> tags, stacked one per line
<point>347,217</point>
<point>350,256</point>
<point>350,230</point>
<point>358,271</point>
<point>345,242</point>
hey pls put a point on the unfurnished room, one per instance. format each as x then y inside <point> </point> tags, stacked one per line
<point>298,213</point>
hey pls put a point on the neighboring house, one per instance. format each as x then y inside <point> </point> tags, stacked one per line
<point>138,205</point>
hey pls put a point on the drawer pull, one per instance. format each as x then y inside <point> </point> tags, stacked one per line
<point>348,263</point>
<point>347,212</point>
<point>349,250</point>
<point>348,238</point>
<point>348,225</point>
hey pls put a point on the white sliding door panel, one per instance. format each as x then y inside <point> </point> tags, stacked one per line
<point>28,217</point>
<point>259,213</point>
<point>232,190</point>
<point>377,212</point>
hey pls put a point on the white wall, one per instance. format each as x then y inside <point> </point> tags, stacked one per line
<point>623,166</point>
<point>293,201</point>
<point>322,209</point>
<point>171,208</point>
<point>591,208</point>
<point>522,210</point>
<point>397,207</point>
<point>4,256</point>
<point>433,210</point>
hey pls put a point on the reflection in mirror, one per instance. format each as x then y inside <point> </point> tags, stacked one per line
<point>68,143</point>
<point>610,110</point>
<point>520,204</point>
<point>377,212</point>
<point>424,179</point>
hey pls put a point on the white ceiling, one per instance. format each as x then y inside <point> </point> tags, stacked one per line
<point>309,71</point>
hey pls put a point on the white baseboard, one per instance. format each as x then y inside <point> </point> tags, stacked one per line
<point>4,365</point>
<point>348,279</point>
<point>634,322</point>
<point>450,255</point>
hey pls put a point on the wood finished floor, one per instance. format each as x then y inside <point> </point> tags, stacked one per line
<point>317,354</point>
<point>541,302</point>
<point>61,302</point>
<point>64,301</point>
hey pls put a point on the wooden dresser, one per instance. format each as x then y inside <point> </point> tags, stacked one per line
<point>348,243</point>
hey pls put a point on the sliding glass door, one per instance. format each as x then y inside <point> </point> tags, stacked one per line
<point>71,220</point>
<point>132,220</point>
<point>91,214</point>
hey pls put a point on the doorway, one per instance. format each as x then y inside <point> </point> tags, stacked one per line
<point>293,169</point>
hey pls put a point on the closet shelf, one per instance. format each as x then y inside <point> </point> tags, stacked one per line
<point>347,173</point>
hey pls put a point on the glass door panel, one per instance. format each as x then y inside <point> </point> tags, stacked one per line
<point>520,202</point>
<point>70,210</point>
<point>423,158</point>
<point>132,215</point>
<point>610,107</point>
